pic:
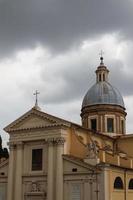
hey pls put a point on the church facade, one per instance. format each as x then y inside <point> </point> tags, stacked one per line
<point>53,159</point>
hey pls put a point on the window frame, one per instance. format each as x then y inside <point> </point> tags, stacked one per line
<point>122,126</point>
<point>130,182</point>
<point>112,124</point>
<point>37,166</point>
<point>89,121</point>
<point>118,178</point>
<point>113,117</point>
<point>37,147</point>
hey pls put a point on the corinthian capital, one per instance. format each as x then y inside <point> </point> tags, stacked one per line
<point>60,141</point>
<point>50,141</point>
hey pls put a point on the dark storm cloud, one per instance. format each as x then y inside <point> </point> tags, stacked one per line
<point>121,78</point>
<point>59,25</point>
<point>78,77</point>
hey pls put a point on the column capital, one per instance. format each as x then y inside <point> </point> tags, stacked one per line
<point>11,145</point>
<point>60,141</point>
<point>50,141</point>
<point>19,145</point>
<point>56,141</point>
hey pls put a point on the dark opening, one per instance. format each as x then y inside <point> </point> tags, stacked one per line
<point>118,184</point>
<point>130,187</point>
<point>74,169</point>
<point>94,124</point>
<point>99,77</point>
<point>103,77</point>
<point>36,159</point>
<point>110,125</point>
<point>122,126</point>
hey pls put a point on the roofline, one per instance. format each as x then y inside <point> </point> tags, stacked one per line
<point>80,162</point>
<point>107,104</point>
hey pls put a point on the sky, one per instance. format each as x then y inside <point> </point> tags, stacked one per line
<point>53,46</point>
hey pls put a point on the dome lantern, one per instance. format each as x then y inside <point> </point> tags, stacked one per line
<point>101,72</point>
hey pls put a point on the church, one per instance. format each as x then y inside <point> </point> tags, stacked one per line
<point>54,159</point>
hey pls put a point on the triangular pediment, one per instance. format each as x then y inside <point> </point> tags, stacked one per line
<point>35,119</point>
<point>71,162</point>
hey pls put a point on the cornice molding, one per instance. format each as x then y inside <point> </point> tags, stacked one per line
<point>55,121</point>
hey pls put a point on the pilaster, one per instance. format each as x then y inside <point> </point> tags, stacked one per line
<point>50,180</point>
<point>59,167</point>
<point>18,175</point>
<point>10,185</point>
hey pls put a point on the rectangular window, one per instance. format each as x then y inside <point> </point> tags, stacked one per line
<point>110,125</point>
<point>36,159</point>
<point>94,124</point>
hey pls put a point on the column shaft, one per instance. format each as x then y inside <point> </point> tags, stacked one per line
<point>18,175</point>
<point>59,169</point>
<point>50,178</point>
<point>10,174</point>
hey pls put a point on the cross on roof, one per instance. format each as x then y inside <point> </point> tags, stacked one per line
<point>36,96</point>
<point>101,58</point>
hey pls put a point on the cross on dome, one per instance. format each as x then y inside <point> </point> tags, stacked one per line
<point>101,57</point>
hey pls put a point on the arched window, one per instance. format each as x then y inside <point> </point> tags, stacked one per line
<point>130,186</point>
<point>118,183</point>
<point>94,124</point>
<point>100,78</point>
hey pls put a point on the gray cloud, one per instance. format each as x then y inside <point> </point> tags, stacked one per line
<point>67,78</point>
<point>60,25</point>
<point>121,78</point>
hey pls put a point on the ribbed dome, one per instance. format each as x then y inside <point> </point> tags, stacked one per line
<point>103,93</point>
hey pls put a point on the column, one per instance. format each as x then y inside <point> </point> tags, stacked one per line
<point>10,183</point>
<point>59,167</point>
<point>18,175</point>
<point>50,178</point>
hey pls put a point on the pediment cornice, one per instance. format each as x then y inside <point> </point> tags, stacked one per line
<point>35,119</point>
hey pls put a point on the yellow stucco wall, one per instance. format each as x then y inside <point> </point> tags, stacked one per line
<point>119,194</point>
<point>126,144</point>
<point>77,148</point>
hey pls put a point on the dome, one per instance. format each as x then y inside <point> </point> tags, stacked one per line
<point>103,93</point>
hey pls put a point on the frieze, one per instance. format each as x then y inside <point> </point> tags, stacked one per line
<point>31,135</point>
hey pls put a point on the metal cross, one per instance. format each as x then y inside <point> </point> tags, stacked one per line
<point>36,94</point>
<point>101,58</point>
<point>101,53</point>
